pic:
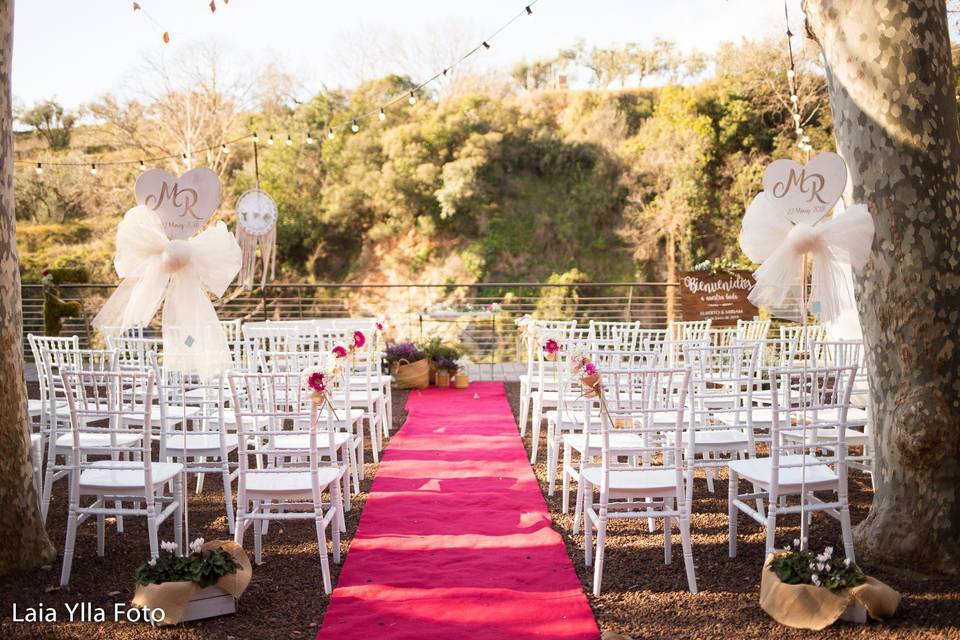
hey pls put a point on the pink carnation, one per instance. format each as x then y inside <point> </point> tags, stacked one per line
<point>551,346</point>
<point>340,351</point>
<point>590,369</point>
<point>317,381</point>
<point>359,339</point>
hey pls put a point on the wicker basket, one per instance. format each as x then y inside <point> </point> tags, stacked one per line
<point>412,375</point>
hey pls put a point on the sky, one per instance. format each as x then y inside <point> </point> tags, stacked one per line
<point>78,51</point>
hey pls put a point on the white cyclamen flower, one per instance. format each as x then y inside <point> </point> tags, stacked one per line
<point>170,547</point>
<point>846,562</point>
<point>815,579</point>
<point>828,551</point>
<point>796,542</point>
<point>152,562</point>
<point>196,545</point>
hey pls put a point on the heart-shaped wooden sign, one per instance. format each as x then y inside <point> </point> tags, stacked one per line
<point>806,193</point>
<point>184,204</point>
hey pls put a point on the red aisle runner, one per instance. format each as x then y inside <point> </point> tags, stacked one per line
<point>455,539</point>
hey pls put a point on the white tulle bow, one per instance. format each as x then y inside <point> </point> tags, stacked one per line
<point>178,274</point>
<point>770,239</point>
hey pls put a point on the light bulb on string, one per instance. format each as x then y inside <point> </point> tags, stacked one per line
<point>143,167</point>
<point>309,138</point>
<point>289,140</point>
<point>93,169</point>
<point>794,99</point>
<point>486,45</point>
<point>355,127</point>
<point>270,139</point>
<point>528,10</point>
<point>445,71</point>
<point>383,114</point>
<point>224,148</point>
<point>413,98</point>
<point>330,133</point>
<point>256,138</point>
<point>39,169</point>
<point>791,73</point>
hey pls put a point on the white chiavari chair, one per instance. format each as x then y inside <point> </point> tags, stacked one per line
<point>59,437</point>
<point>203,440</point>
<point>545,384</point>
<point>291,485</point>
<point>133,351</point>
<point>97,400</point>
<point>622,334</point>
<point>655,489</point>
<point>721,405</point>
<point>533,342</point>
<point>807,455</point>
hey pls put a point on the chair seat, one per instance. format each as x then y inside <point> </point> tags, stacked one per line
<point>301,440</point>
<point>338,416</point>
<point>650,481</point>
<point>852,437</point>
<point>574,418</point>
<point>714,438</point>
<point>618,442</point>
<point>173,414</point>
<point>290,484</point>
<point>130,476</point>
<point>34,407</point>
<point>758,471</point>
<point>764,416</point>
<point>199,441</point>
<point>99,440</point>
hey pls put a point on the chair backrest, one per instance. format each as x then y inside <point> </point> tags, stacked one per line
<point>265,403</point>
<point>287,361</point>
<point>538,332</point>
<point>800,338</point>
<point>623,334</point>
<point>633,401</point>
<point>845,353</point>
<point>59,360</point>
<point>810,404</point>
<point>723,379</point>
<point>753,329</point>
<point>721,337</point>
<point>187,403</point>
<point>133,352</point>
<point>98,401</point>
<point>60,348</point>
<point>688,330</point>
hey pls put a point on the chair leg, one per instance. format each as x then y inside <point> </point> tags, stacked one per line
<point>847,532</point>
<point>667,540</point>
<point>772,527</point>
<point>180,495</point>
<point>152,531</point>
<point>101,526</point>
<point>524,411</point>
<point>578,509</point>
<point>587,529</point>
<point>47,488</point>
<point>240,524</point>
<point>200,476</point>
<point>598,562</point>
<point>732,513</point>
<point>69,545</point>
<point>688,553</point>
<point>372,425</point>
<point>322,543</point>
<point>566,479</point>
<point>336,498</point>
<point>551,464</point>
<point>535,433</point>
<point>228,495</point>
<point>258,532</point>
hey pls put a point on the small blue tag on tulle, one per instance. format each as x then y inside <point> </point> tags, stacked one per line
<point>816,306</point>
<point>188,341</point>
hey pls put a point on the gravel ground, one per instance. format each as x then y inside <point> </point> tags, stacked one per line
<point>642,598</point>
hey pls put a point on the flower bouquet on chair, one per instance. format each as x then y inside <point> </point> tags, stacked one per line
<point>805,590</point>
<point>203,584</point>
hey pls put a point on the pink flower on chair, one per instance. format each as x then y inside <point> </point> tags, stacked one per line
<point>359,339</point>
<point>551,346</point>
<point>589,368</point>
<point>340,351</point>
<point>317,381</point>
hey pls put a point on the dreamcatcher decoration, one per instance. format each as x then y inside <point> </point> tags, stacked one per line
<point>257,227</point>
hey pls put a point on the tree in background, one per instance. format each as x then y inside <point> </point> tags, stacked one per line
<point>892,90</point>
<point>25,542</point>
<point>51,123</point>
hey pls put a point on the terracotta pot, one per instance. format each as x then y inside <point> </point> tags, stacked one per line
<point>443,378</point>
<point>461,380</point>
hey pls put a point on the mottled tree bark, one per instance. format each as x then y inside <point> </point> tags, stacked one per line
<point>891,87</point>
<point>25,543</point>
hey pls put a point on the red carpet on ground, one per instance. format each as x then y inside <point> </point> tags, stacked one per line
<point>455,539</point>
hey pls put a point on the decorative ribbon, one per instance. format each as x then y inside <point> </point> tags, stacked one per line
<point>769,238</point>
<point>176,274</point>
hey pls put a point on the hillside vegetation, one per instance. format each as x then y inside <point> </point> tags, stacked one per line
<point>500,180</point>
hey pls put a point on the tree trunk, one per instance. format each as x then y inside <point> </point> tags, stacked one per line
<point>892,92</point>
<point>25,543</point>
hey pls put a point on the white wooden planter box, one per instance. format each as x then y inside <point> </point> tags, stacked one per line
<point>209,603</point>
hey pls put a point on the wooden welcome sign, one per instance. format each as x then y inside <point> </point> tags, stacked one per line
<point>184,204</point>
<point>720,297</point>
